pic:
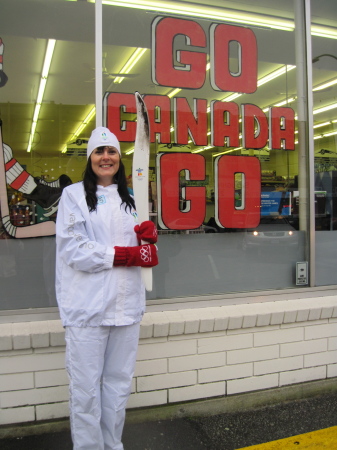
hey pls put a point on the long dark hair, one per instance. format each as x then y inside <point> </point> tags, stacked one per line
<point>90,187</point>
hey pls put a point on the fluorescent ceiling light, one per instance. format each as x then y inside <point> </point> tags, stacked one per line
<point>275,74</point>
<point>43,81</point>
<point>325,85</point>
<point>85,122</point>
<point>48,57</point>
<point>173,93</point>
<point>323,124</point>
<point>221,15</point>
<point>135,57</point>
<point>321,136</point>
<point>206,12</point>
<point>79,130</point>
<point>202,149</point>
<point>323,31</point>
<point>227,151</point>
<point>285,102</point>
<point>231,97</point>
<point>36,112</point>
<point>40,93</point>
<point>325,108</point>
<point>330,134</point>
<point>271,76</point>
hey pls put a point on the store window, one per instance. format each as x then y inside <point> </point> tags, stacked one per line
<point>222,101</point>
<point>47,95</point>
<point>324,73</point>
<point>227,188</point>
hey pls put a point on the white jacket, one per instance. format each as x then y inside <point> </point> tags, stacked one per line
<point>90,291</point>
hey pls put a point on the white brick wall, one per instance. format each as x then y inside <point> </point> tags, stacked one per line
<point>303,375</point>
<point>197,362</point>
<point>225,373</point>
<point>303,347</point>
<point>252,384</point>
<point>183,355</point>
<point>197,391</point>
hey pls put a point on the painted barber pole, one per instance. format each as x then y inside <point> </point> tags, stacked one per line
<point>140,174</point>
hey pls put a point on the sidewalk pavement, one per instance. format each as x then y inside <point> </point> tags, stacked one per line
<point>224,431</point>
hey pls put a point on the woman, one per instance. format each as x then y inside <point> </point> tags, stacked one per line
<point>100,293</point>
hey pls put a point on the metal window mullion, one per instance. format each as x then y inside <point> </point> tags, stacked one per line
<point>311,149</point>
<point>98,62</point>
<point>305,130</point>
<point>301,78</point>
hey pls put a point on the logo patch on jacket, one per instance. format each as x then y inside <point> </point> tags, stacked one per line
<point>101,200</point>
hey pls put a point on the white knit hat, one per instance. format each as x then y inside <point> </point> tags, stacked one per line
<point>102,137</point>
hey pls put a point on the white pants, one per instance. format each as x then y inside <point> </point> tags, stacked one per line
<point>100,363</point>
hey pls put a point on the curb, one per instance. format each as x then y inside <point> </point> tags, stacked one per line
<point>200,408</point>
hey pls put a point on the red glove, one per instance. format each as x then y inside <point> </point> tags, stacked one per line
<point>142,255</point>
<point>147,232</point>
